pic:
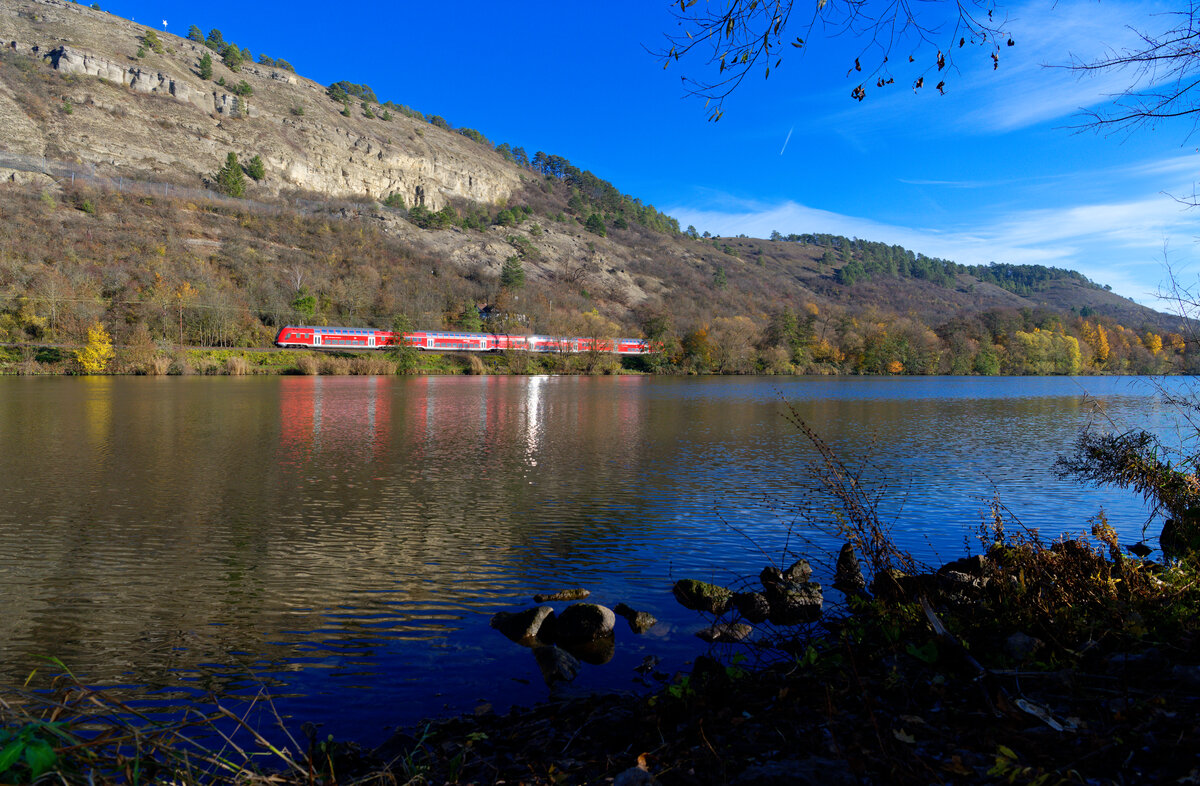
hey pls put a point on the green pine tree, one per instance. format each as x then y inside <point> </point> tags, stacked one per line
<point>230,180</point>
<point>206,66</point>
<point>595,225</point>
<point>256,168</point>
<point>512,275</point>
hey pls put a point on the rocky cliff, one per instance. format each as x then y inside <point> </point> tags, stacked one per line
<point>154,116</point>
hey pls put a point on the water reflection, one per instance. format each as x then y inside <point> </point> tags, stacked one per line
<point>347,538</point>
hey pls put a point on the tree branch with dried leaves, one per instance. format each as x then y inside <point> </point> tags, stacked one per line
<point>737,37</point>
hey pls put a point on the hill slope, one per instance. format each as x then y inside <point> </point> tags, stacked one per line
<point>123,231</point>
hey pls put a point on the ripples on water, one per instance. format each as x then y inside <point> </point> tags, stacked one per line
<point>345,540</point>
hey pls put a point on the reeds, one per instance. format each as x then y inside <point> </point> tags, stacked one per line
<point>74,733</point>
<point>236,366</point>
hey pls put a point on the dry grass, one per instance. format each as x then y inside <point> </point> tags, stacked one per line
<point>308,365</point>
<point>335,366</point>
<point>236,366</point>
<point>474,365</point>
<point>372,366</point>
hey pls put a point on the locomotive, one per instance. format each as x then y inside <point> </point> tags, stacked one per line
<point>449,341</point>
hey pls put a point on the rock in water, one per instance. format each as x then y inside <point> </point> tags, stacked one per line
<point>701,596</point>
<point>639,621</point>
<point>556,664</point>
<point>726,632</point>
<point>796,604</point>
<point>800,571</point>
<point>754,606</point>
<point>848,576</point>
<point>567,594</point>
<point>525,626</point>
<point>582,623</point>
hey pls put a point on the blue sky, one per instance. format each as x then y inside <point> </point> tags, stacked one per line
<point>989,172</point>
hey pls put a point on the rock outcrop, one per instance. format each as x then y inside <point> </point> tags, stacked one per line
<point>153,116</point>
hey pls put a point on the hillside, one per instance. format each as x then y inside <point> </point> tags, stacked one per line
<point>363,210</point>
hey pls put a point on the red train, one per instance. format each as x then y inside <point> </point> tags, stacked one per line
<point>446,341</point>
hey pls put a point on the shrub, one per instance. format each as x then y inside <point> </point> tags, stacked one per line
<point>335,366</point>
<point>256,168</point>
<point>371,366</point>
<point>236,366</point>
<point>307,365</point>
<point>394,199</point>
<point>150,41</point>
<point>298,111</point>
<point>595,225</point>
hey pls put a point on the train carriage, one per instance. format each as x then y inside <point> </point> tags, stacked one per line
<point>311,337</point>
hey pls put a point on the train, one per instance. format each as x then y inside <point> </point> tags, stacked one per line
<point>449,341</point>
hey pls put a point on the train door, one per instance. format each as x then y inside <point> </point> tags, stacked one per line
<point>316,339</point>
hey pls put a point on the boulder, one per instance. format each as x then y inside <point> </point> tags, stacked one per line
<point>848,576</point>
<point>597,652</point>
<point>639,621</point>
<point>726,632</point>
<point>800,571</point>
<point>753,606</point>
<point>524,627</point>
<point>1021,646</point>
<point>562,595</point>
<point>896,586</point>
<point>771,578</point>
<point>582,623</point>
<point>796,604</point>
<point>701,596</point>
<point>972,566</point>
<point>1180,535</point>
<point>556,664</point>
<point>635,776</point>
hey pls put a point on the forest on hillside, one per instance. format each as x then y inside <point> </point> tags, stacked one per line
<point>151,271</point>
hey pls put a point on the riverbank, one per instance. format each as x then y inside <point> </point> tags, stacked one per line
<point>36,360</point>
<point>1067,662</point>
<point>32,360</point>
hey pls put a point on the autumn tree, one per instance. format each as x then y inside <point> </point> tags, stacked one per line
<point>94,357</point>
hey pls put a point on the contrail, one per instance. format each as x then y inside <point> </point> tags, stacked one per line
<point>789,139</point>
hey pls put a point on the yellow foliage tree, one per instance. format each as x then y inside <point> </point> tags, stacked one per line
<point>94,357</point>
<point>1153,342</point>
<point>895,367</point>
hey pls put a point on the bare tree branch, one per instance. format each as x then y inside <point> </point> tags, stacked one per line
<point>742,36</point>
<point>1165,72</point>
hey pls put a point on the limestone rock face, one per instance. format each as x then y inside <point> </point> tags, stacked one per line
<point>153,116</point>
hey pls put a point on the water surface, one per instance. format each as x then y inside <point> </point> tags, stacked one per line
<point>344,540</point>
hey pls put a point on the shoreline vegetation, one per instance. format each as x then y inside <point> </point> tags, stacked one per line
<point>1071,661</point>
<point>66,360</point>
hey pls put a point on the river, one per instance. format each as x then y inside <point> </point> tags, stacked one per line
<point>343,541</point>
